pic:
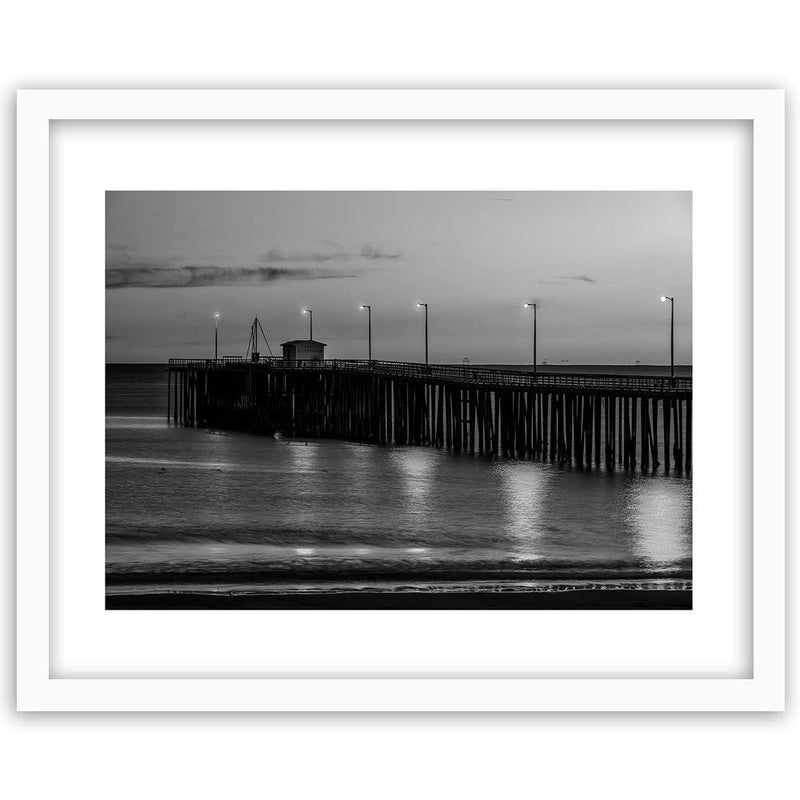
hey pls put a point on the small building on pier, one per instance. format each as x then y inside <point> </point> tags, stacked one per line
<point>303,350</point>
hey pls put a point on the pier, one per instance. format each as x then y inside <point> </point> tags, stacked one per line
<point>586,421</point>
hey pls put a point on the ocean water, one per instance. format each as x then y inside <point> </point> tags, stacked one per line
<point>212,512</point>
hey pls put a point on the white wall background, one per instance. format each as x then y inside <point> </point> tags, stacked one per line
<point>417,43</point>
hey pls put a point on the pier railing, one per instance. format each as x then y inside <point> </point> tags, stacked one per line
<point>478,376</point>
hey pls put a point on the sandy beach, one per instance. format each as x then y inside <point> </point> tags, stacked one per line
<point>577,599</point>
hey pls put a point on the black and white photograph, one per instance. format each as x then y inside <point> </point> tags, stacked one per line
<point>399,400</point>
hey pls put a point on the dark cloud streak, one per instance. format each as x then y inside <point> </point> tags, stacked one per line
<point>160,277</point>
<point>333,253</point>
<point>376,253</point>
<point>275,256</point>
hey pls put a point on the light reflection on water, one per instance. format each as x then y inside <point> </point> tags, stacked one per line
<point>417,473</point>
<point>524,491</point>
<point>659,519</point>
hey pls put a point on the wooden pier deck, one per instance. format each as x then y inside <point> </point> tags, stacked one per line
<point>616,421</point>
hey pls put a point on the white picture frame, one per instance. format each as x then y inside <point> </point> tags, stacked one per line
<point>40,688</point>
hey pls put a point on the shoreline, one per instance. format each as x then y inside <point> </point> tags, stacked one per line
<point>576,599</point>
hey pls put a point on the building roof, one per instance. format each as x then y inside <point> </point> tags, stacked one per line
<point>303,341</point>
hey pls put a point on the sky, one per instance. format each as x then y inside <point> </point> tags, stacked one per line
<point>595,263</point>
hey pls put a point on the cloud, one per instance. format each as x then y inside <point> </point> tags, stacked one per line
<point>163,277</point>
<point>376,253</point>
<point>276,256</point>
<point>124,271</point>
<point>562,278</point>
<point>332,252</point>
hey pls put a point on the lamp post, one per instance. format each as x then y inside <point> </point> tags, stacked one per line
<point>425,306</point>
<point>664,299</point>
<point>216,335</point>
<point>310,323</point>
<point>369,326</point>
<point>533,306</point>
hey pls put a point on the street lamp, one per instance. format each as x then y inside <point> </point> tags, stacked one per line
<point>369,324</point>
<point>310,323</point>
<point>425,306</point>
<point>216,335</point>
<point>533,306</point>
<point>664,299</point>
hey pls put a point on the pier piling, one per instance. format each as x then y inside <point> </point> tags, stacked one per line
<point>583,421</point>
